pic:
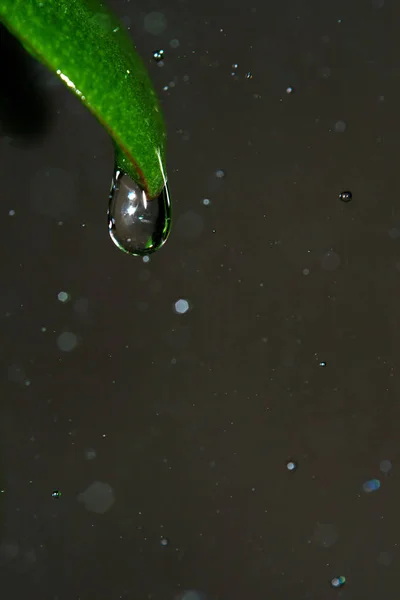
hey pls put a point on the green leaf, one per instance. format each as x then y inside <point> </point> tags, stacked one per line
<point>92,53</point>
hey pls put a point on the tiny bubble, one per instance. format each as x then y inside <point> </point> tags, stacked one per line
<point>345,196</point>
<point>158,55</point>
<point>44,329</point>
<point>289,90</point>
<point>206,202</point>
<point>174,43</point>
<point>340,126</point>
<point>235,66</point>
<point>322,363</point>
<point>338,582</point>
<point>11,213</point>
<point>249,75</point>
<point>146,259</point>
<point>27,382</point>
<point>306,271</point>
<point>181,306</point>
<point>56,494</point>
<point>385,466</point>
<point>63,296</point>
<point>291,465</point>
<point>164,541</point>
<point>371,486</point>
<point>220,174</point>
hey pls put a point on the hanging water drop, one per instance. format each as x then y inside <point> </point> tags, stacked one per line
<point>137,225</point>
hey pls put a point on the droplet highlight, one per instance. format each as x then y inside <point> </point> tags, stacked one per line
<point>371,486</point>
<point>291,465</point>
<point>158,55</point>
<point>137,225</point>
<point>345,196</point>
<point>338,582</point>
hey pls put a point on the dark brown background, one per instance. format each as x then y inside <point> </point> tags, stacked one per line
<point>186,422</point>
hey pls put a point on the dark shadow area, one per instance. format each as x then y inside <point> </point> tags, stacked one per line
<point>24,105</point>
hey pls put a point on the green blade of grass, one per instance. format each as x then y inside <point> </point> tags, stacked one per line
<point>89,49</point>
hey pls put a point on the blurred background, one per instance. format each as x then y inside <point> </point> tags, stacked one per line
<point>220,422</point>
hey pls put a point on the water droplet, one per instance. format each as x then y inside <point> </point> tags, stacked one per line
<point>338,582</point>
<point>158,55</point>
<point>67,341</point>
<point>340,126</point>
<point>385,466</point>
<point>291,465</point>
<point>345,196</point>
<point>63,296</point>
<point>220,174</point>
<point>164,541</point>
<point>181,306</point>
<point>137,226</point>
<point>289,90</point>
<point>56,494</point>
<point>155,23</point>
<point>371,486</point>
<point>90,454</point>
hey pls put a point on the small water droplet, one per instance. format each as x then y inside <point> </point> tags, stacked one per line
<point>291,465</point>
<point>345,196</point>
<point>137,225</point>
<point>181,306</point>
<point>338,582</point>
<point>385,466</point>
<point>340,126</point>
<point>63,296</point>
<point>164,541</point>
<point>206,202</point>
<point>371,486</point>
<point>158,55</point>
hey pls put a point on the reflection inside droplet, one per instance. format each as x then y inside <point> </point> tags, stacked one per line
<point>137,225</point>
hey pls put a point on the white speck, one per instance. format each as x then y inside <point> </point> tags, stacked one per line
<point>67,341</point>
<point>306,271</point>
<point>181,306</point>
<point>291,465</point>
<point>146,259</point>
<point>11,213</point>
<point>289,90</point>
<point>338,582</point>
<point>206,202</point>
<point>63,296</point>
<point>220,174</point>
<point>322,363</point>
